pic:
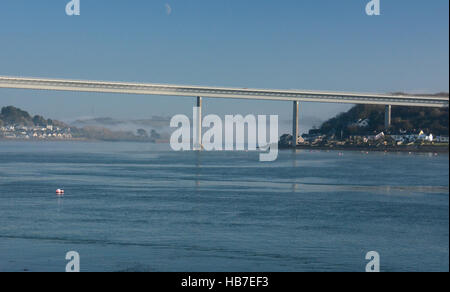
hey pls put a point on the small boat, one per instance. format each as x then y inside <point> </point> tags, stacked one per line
<point>59,192</point>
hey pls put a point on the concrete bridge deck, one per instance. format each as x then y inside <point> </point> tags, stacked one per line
<point>221,92</point>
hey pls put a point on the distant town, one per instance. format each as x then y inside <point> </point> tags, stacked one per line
<point>16,124</point>
<point>35,132</point>
<point>362,128</point>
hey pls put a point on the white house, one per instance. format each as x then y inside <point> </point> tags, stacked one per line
<point>362,123</point>
<point>424,137</point>
<point>376,137</point>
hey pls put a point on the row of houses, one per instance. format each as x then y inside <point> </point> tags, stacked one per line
<point>421,136</point>
<point>399,138</point>
<point>405,137</point>
<point>402,136</point>
<point>42,133</point>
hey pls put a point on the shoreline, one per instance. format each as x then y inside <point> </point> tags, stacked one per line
<point>412,149</point>
<point>77,140</point>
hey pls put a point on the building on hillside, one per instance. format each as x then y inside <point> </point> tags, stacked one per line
<point>362,123</point>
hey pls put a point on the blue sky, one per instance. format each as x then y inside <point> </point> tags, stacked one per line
<point>307,44</point>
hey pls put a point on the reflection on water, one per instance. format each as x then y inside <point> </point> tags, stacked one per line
<point>197,164</point>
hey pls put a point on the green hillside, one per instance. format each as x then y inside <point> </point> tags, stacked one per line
<point>10,115</point>
<point>430,120</point>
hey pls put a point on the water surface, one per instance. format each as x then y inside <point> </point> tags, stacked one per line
<point>142,207</point>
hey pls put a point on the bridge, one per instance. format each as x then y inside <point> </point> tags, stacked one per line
<point>295,96</point>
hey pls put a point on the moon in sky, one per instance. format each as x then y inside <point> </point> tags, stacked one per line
<point>168,9</point>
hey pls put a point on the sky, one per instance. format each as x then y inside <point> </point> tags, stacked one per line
<point>283,44</point>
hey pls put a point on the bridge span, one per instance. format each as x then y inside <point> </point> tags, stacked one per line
<point>296,96</point>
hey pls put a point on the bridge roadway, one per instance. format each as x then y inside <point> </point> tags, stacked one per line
<point>221,92</point>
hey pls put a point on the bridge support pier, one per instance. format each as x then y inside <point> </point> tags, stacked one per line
<point>387,116</point>
<point>295,124</point>
<point>197,127</point>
